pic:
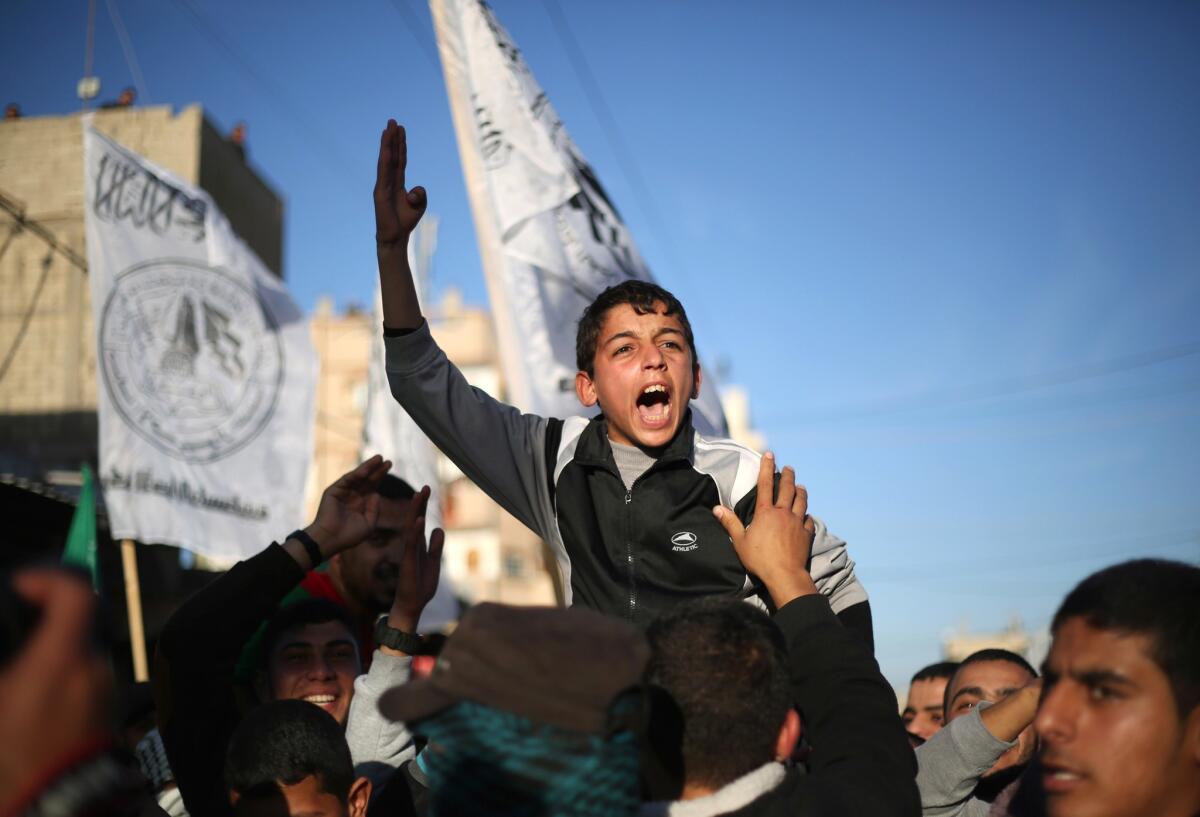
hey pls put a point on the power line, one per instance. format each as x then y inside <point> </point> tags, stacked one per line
<point>1008,387</point>
<point>27,318</point>
<point>629,168</point>
<point>276,93</point>
<point>135,70</point>
<point>414,25</point>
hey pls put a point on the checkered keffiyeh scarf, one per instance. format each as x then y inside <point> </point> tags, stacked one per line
<point>481,760</point>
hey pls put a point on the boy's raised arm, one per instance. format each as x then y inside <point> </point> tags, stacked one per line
<point>397,212</point>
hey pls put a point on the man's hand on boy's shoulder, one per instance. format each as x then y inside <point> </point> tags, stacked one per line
<point>397,209</point>
<point>777,545</point>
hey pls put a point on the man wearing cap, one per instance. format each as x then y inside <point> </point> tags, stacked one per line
<point>529,707</point>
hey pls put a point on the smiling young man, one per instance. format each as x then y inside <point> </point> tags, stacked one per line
<point>1119,719</point>
<point>625,499</point>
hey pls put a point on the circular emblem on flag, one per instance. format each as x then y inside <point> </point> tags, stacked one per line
<point>190,358</point>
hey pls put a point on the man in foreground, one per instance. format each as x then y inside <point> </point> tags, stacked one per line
<point>735,675</point>
<point>1120,713</point>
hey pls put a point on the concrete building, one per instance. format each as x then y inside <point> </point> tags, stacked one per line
<point>1013,638</point>
<point>47,343</point>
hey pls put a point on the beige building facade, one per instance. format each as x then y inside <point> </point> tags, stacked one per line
<point>489,555</point>
<point>47,344</point>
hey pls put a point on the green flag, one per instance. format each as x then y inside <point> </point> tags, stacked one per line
<point>81,539</point>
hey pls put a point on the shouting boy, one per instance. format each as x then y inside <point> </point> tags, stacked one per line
<point>634,503</point>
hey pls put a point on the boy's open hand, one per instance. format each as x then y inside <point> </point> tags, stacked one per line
<point>397,209</point>
<point>777,545</point>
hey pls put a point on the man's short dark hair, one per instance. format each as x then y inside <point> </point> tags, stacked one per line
<point>283,742</point>
<point>725,664</point>
<point>982,656</point>
<point>942,669</point>
<point>392,487</point>
<point>642,296</point>
<point>1157,598</point>
<point>301,614</point>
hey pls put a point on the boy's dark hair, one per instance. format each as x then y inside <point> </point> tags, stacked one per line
<point>283,742</point>
<point>942,669</point>
<point>1157,598</point>
<point>392,487</point>
<point>725,664</point>
<point>299,614</point>
<point>642,296</point>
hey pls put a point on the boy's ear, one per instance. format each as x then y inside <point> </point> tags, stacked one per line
<point>360,796</point>
<point>585,389</point>
<point>696,382</point>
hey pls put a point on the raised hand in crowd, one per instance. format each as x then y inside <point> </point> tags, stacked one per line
<point>1010,716</point>
<point>776,546</point>
<point>398,209</point>
<point>420,567</point>
<point>55,699</point>
<point>347,513</point>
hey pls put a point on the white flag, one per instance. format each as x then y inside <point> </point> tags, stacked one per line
<point>206,370</point>
<point>549,236</point>
<point>388,430</point>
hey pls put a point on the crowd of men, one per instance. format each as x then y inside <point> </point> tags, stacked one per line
<point>730,671</point>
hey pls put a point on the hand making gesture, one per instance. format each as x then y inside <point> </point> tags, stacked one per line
<point>397,209</point>
<point>397,212</point>
<point>349,508</point>
<point>777,545</point>
<point>420,567</point>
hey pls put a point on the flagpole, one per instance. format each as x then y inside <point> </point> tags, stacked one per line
<point>133,605</point>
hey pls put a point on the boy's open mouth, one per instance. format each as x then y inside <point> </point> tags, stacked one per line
<point>654,404</point>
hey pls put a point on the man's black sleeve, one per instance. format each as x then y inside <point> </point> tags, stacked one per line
<point>194,671</point>
<point>861,762</point>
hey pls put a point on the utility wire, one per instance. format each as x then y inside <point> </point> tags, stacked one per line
<point>612,133</point>
<point>1008,387</point>
<point>276,93</point>
<point>414,25</point>
<point>17,211</point>
<point>89,49</point>
<point>27,318</point>
<point>135,70</point>
<point>604,115</point>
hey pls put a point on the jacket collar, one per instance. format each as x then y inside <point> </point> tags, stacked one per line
<point>594,448</point>
<point>738,794</point>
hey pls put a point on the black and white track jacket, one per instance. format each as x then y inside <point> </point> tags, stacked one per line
<point>631,553</point>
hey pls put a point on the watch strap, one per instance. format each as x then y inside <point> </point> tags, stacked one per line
<point>310,546</point>
<point>392,638</point>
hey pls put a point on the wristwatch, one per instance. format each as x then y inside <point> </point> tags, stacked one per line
<point>386,636</point>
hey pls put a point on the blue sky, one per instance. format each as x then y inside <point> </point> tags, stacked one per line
<point>952,250</point>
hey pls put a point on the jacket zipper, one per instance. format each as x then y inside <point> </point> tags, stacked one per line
<point>629,561</point>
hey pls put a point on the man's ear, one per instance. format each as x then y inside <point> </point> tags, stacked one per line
<point>585,389</point>
<point>360,796</point>
<point>696,378</point>
<point>789,735</point>
<point>1191,734</point>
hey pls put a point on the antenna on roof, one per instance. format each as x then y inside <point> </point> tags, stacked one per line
<point>88,87</point>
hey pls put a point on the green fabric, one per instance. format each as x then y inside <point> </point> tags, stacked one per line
<point>81,538</point>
